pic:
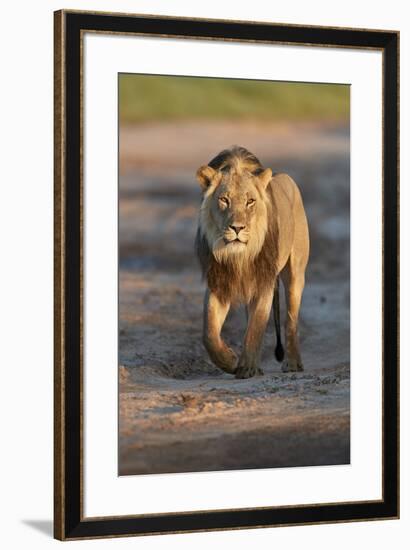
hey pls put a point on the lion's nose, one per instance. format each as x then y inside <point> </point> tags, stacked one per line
<point>237,228</point>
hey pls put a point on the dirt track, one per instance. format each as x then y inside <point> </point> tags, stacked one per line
<point>177,411</point>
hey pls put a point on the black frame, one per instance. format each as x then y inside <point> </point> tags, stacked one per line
<point>69,520</point>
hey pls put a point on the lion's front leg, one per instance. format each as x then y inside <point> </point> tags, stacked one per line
<point>215,313</point>
<point>258,316</point>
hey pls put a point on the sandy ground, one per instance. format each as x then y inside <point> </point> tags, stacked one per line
<point>177,412</point>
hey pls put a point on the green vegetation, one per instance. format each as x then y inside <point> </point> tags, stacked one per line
<point>146,98</point>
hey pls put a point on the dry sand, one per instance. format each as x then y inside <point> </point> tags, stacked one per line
<point>177,412</point>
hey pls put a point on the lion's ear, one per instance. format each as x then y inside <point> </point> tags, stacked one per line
<point>204,175</point>
<point>265,177</point>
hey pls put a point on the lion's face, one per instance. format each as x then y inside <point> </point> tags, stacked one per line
<point>233,214</point>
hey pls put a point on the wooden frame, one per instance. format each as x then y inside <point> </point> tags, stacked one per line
<point>70,522</point>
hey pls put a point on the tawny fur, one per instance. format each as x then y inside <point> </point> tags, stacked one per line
<point>252,227</point>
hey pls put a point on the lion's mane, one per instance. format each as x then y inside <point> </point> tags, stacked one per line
<point>239,278</point>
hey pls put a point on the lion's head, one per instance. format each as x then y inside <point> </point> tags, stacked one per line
<point>233,216</point>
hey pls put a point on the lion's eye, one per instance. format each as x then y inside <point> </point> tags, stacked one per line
<point>224,200</point>
<point>249,202</point>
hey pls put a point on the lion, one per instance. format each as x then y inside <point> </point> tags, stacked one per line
<point>252,232</point>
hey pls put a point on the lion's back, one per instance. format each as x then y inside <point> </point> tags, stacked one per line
<point>289,212</point>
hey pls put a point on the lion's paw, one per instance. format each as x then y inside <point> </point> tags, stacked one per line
<point>292,366</point>
<point>227,360</point>
<point>245,372</point>
<point>247,369</point>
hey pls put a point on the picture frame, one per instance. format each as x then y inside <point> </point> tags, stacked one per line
<point>70,520</point>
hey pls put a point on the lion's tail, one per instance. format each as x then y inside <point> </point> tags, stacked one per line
<point>279,353</point>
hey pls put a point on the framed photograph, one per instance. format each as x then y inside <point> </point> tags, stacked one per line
<point>226,275</point>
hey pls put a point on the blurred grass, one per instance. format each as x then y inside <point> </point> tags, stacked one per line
<point>144,98</point>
